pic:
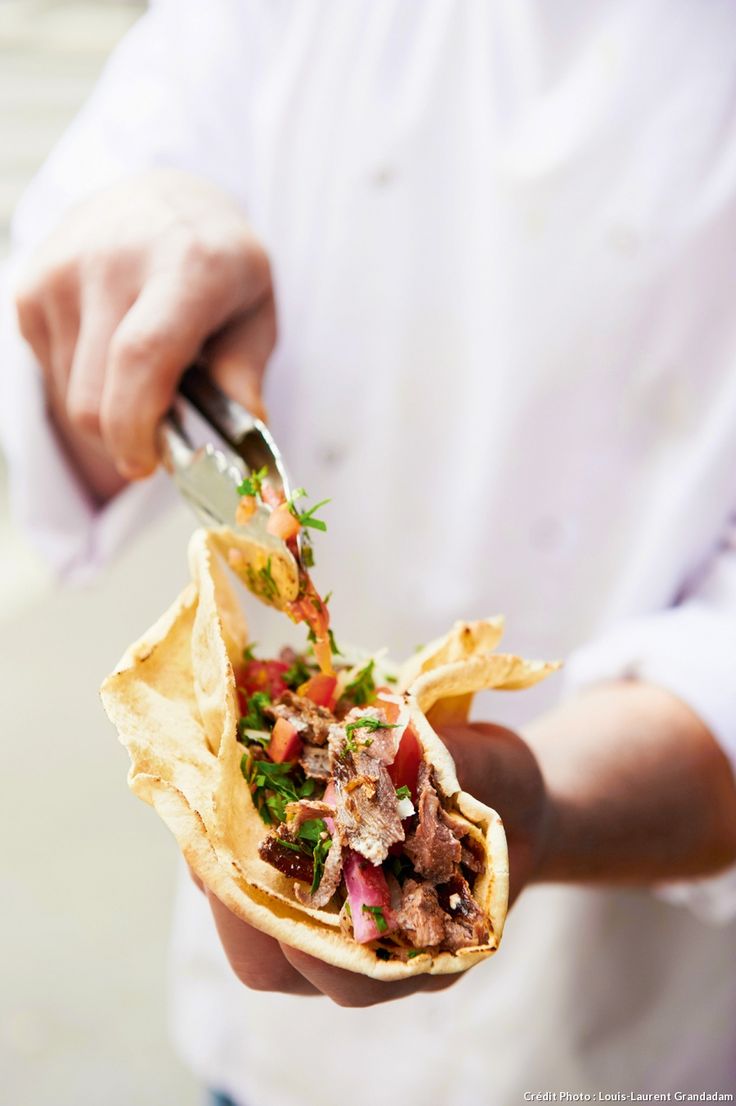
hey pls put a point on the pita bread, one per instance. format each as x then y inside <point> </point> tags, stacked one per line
<point>173,701</point>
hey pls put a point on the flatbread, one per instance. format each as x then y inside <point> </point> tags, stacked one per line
<point>173,701</point>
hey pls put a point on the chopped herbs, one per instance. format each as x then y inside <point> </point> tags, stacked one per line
<point>306,518</point>
<point>269,587</point>
<point>248,654</point>
<point>289,845</point>
<point>297,673</point>
<point>362,688</point>
<point>319,856</point>
<point>254,719</point>
<point>333,644</point>
<point>377,914</point>
<point>262,582</point>
<point>414,952</point>
<point>403,792</point>
<point>312,830</point>
<point>252,484</point>
<point>273,786</point>
<point>369,723</point>
<point>307,552</point>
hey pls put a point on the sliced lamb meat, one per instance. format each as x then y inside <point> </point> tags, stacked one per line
<point>315,762</point>
<point>433,848</point>
<point>367,809</point>
<point>466,925</point>
<point>329,882</point>
<point>306,809</point>
<point>382,742</point>
<point>473,857</point>
<point>311,722</point>
<point>297,865</point>
<point>420,918</point>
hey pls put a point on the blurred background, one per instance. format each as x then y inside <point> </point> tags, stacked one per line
<point>86,870</point>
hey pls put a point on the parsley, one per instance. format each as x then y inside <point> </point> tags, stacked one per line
<point>369,723</point>
<point>307,552</point>
<point>414,952</point>
<point>253,719</point>
<point>314,841</point>
<point>377,914</point>
<point>269,586</point>
<point>248,654</point>
<point>403,792</point>
<point>333,644</point>
<point>362,689</point>
<point>297,673</point>
<point>312,829</point>
<point>262,582</point>
<point>289,845</point>
<point>273,786</point>
<point>306,518</point>
<point>319,856</point>
<point>392,679</point>
<point>252,484</point>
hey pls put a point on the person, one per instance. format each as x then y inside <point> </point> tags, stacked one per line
<point>499,244</point>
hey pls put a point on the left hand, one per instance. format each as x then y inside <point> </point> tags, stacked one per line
<point>497,767</point>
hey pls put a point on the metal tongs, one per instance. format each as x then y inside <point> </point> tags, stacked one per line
<point>207,473</point>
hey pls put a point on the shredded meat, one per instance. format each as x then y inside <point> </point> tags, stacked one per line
<point>311,722</point>
<point>433,848</point>
<point>302,811</point>
<point>293,864</point>
<point>465,923</point>
<point>473,856</point>
<point>315,762</point>
<point>330,880</point>
<point>382,742</point>
<point>420,919</point>
<point>367,815</point>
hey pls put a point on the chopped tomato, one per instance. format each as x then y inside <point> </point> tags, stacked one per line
<point>285,743</point>
<point>405,768</point>
<point>282,523</point>
<point>319,689</point>
<point>263,676</point>
<point>367,887</point>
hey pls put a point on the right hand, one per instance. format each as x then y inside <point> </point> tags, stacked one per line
<point>132,286</point>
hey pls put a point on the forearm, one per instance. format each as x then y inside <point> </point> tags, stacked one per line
<point>638,789</point>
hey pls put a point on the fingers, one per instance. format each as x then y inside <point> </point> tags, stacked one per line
<point>237,357</point>
<point>100,318</point>
<point>351,989</point>
<point>160,335</point>
<point>256,958</point>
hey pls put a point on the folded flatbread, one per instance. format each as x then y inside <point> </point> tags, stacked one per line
<point>174,702</point>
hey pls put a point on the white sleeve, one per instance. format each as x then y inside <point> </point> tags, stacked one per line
<point>689,649</point>
<point>169,96</point>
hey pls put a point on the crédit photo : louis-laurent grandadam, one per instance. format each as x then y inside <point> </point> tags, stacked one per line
<point>628,1096</point>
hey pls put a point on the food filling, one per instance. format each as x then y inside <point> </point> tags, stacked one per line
<point>337,773</point>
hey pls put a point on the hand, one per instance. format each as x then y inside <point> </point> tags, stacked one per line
<point>132,286</point>
<point>496,766</point>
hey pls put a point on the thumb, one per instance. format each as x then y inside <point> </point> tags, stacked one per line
<point>238,355</point>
